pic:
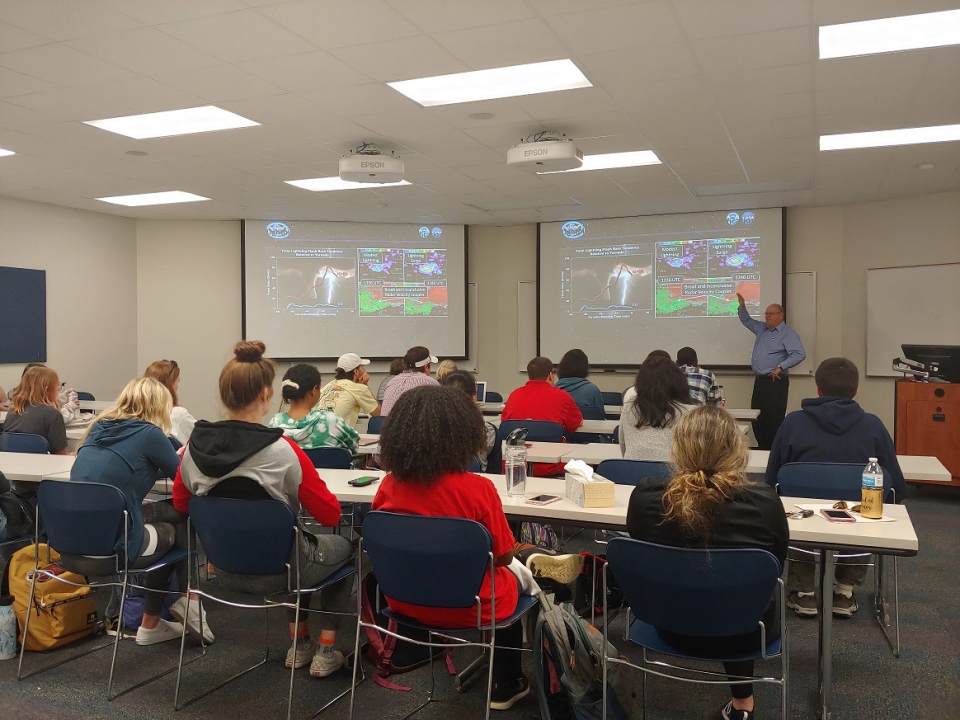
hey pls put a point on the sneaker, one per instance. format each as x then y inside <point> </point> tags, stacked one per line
<point>563,569</point>
<point>505,694</point>
<point>729,712</point>
<point>803,604</point>
<point>301,652</point>
<point>165,630</point>
<point>844,606</point>
<point>111,626</point>
<point>194,615</point>
<point>326,663</point>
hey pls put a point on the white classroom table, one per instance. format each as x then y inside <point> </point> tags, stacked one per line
<point>95,405</point>
<point>27,467</point>
<point>738,413</point>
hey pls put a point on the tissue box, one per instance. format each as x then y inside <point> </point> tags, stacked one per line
<point>597,492</point>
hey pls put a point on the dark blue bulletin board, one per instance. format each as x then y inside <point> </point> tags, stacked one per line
<point>23,315</point>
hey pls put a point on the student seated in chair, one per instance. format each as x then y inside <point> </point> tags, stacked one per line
<point>241,447</point>
<point>431,434</point>
<point>703,383</point>
<point>303,423</point>
<point>572,377</point>
<point>181,421</point>
<point>348,394</point>
<point>35,409</point>
<point>464,380</point>
<point>832,427</point>
<point>659,397</point>
<point>709,503</point>
<point>126,446</point>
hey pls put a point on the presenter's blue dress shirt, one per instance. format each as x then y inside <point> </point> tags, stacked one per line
<point>778,347</point>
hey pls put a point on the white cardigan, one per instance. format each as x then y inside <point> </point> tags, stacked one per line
<point>181,424</point>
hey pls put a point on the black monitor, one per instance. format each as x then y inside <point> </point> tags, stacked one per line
<point>945,357</point>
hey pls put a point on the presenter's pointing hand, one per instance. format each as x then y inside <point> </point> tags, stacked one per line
<point>743,303</point>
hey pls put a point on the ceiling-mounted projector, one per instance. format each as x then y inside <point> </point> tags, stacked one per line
<point>368,165</point>
<point>546,153</point>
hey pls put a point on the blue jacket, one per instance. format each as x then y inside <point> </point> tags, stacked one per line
<point>130,455</point>
<point>583,392</point>
<point>834,429</point>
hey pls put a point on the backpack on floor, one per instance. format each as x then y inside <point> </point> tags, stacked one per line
<point>389,655</point>
<point>567,655</point>
<point>61,612</point>
<point>588,587</point>
<point>532,533</point>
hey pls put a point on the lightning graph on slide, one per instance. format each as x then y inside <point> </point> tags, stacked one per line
<point>610,283</point>
<point>316,285</point>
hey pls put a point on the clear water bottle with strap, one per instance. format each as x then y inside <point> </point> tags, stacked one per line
<point>515,462</point>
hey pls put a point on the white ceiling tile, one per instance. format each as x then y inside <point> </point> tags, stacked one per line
<point>362,99</point>
<point>304,154</point>
<point>64,19</point>
<point>505,111</point>
<point>707,18</point>
<point>238,36</point>
<point>16,117</point>
<point>753,109</point>
<point>151,12</point>
<point>317,70</point>
<point>145,51</point>
<point>770,81</point>
<point>401,59</point>
<point>219,83</point>
<point>14,38</point>
<point>567,104</point>
<point>432,17</point>
<point>641,64</point>
<point>686,153</point>
<point>549,8</point>
<point>867,100</point>
<point>142,95</point>
<point>402,124</point>
<point>772,175</point>
<point>861,122</point>
<point>773,129</point>
<point>333,23</point>
<point>757,50</point>
<point>62,65</point>
<point>286,111</point>
<point>13,83</point>
<point>335,130</point>
<point>65,104</point>
<point>700,167</point>
<point>905,68</point>
<point>618,27</point>
<point>515,43</point>
<point>830,12</point>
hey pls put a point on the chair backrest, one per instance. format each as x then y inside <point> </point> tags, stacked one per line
<point>430,561</point>
<point>253,537</point>
<point>593,413</point>
<point>632,472</point>
<point>330,457</point>
<point>537,430</point>
<point>493,397</point>
<point>81,518</point>
<point>24,443</point>
<point>375,423</point>
<point>84,395</point>
<point>612,398</point>
<point>829,481</point>
<point>706,593</point>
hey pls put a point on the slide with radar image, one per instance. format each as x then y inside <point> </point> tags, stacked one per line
<point>396,282</point>
<point>701,278</point>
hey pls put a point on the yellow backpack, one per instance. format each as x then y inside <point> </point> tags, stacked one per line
<point>61,613</point>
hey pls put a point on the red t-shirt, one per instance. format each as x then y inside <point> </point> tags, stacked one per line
<point>539,400</point>
<point>462,495</point>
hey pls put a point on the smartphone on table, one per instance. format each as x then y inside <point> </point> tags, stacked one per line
<point>841,516</point>
<point>542,499</point>
<point>363,481</point>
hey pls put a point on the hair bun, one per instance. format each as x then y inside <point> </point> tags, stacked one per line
<point>249,351</point>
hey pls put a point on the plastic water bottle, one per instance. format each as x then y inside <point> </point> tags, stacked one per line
<point>8,629</point>
<point>723,400</point>
<point>515,462</point>
<point>871,490</point>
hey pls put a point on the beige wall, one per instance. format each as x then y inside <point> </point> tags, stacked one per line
<point>91,264</point>
<point>188,303</point>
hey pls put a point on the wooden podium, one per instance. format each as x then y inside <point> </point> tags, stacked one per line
<point>928,422</point>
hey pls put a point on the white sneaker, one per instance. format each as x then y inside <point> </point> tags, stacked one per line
<point>563,569</point>
<point>165,630</point>
<point>194,614</point>
<point>300,652</point>
<point>326,663</point>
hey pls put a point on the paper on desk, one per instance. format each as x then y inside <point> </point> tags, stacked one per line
<point>856,516</point>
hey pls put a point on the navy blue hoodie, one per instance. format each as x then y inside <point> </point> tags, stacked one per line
<point>834,429</point>
<point>130,455</point>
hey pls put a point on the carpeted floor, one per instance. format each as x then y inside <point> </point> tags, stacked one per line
<point>869,682</point>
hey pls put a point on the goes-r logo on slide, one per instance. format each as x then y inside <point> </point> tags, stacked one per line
<point>278,230</point>
<point>573,230</point>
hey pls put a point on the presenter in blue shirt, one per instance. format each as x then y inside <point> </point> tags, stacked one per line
<point>776,349</point>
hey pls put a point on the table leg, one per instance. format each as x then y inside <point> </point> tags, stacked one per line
<point>826,633</point>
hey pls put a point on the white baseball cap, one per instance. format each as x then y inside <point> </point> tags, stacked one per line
<point>350,361</point>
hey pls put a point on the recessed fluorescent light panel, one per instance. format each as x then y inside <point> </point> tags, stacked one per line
<point>512,81</point>
<point>328,184</point>
<point>909,32</point>
<point>608,161</point>
<point>5,153</point>
<point>208,118</point>
<point>157,198</point>
<point>888,138</point>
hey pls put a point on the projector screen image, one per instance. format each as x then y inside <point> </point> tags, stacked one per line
<point>321,289</point>
<point>620,287</point>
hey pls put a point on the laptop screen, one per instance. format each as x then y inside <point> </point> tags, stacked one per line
<point>481,391</point>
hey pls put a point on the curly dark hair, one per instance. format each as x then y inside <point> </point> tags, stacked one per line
<point>430,432</point>
<point>661,388</point>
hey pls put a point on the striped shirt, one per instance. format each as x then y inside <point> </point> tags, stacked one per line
<point>399,384</point>
<point>703,385</point>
